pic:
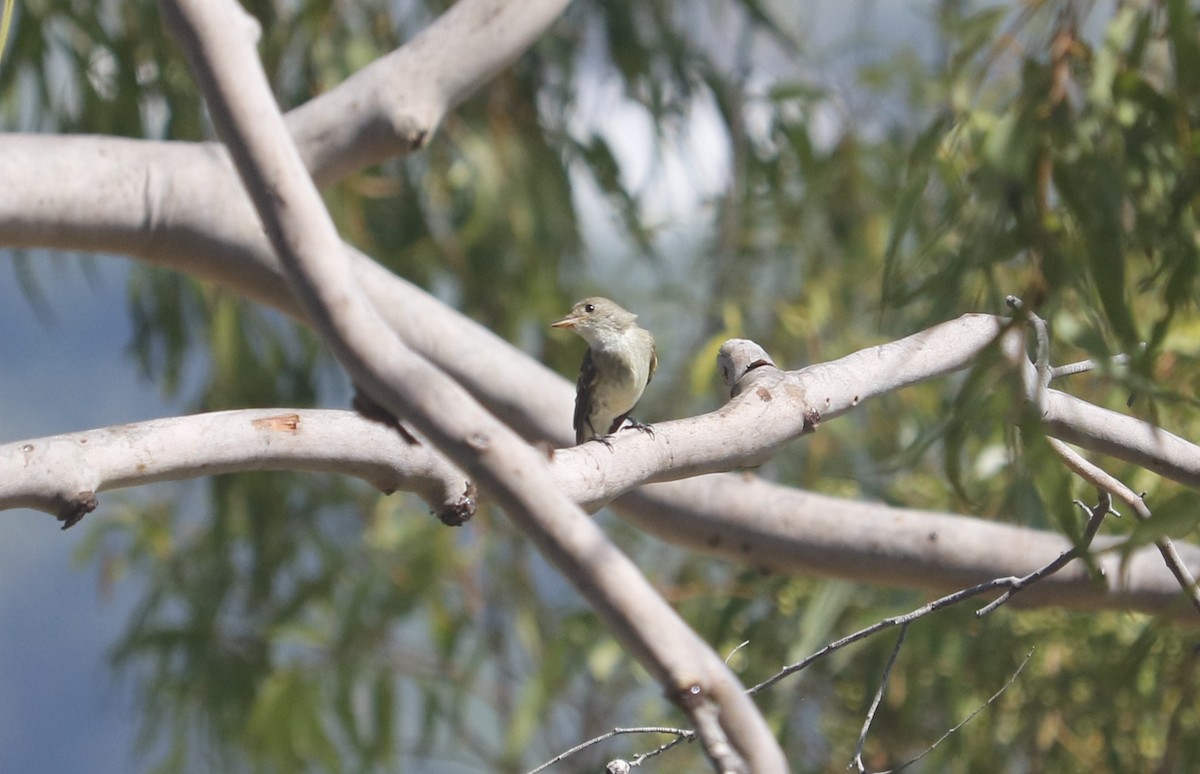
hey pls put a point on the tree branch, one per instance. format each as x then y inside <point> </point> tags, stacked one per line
<point>1039,576</point>
<point>680,734</point>
<point>395,104</point>
<point>176,205</point>
<point>1095,519</point>
<point>1111,486</point>
<point>49,473</point>
<point>857,762</point>
<point>775,528</point>
<point>179,206</point>
<point>757,523</point>
<point>132,197</point>
<point>991,700</point>
<point>771,408</point>
<point>244,112</point>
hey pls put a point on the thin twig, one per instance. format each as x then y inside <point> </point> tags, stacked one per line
<point>707,716</point>
<point>900,620</point>
<point>1082,366</point>
<point>857,763</point>
<point>909,617</point>
<point>682,734</point>
<point>1095,518</point>
<point>966,720</point>
<point>1104,481</point>
<point>641,758</point>
<point>1042,336</point>
<point>735,650</point>
<point>1098,477</point>
<point>1177,567</point>
<point>1091,472</point>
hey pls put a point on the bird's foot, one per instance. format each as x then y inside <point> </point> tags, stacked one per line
<point>629,422</point>
<point>640,426</point>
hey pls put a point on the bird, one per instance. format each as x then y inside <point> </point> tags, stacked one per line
<point>619,363</point>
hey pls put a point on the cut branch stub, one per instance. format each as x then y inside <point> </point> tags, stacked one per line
<point>76,508</point>
<point>738,359</point>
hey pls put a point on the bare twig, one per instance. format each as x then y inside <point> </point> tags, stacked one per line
<point>707,716</point>
<point>887,623</point>
<point>641,758</point>
<point>1098,477</point>
<point>1179,569</point>
<point>938,604</point>
<point>735,650</point>
<point>968,718</point>
<point>681,734</point>
<point>857,763</point>
<point>1011,584</point>
<point>1102,479</point>
<point>1042,338</point>
<point>1087,470</point>
<point>1070,369</point>
<point>1095,518</point>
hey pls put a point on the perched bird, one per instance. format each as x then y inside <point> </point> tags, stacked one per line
<point>619,363</point>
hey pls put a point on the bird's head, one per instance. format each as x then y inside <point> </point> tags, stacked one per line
<point>596,318</point>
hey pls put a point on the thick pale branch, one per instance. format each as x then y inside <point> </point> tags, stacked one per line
<point>778,529</point>
<point>759,524</point>
<point>407,385</point>
<point>139,207</point>
<point>770,408</point>
<point>394,105</point>
<point>49,474</point>
<point>135,203</point>
<point>1124,437</point>
<point>179,206</point>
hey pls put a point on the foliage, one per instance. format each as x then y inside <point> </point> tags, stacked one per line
<point>303,623</point>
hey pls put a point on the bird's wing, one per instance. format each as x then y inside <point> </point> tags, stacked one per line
<point>584,390</point>
<point>653,361</point>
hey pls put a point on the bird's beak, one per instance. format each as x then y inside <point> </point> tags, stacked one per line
<point>567,322</point>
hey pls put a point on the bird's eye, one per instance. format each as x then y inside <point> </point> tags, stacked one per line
<point>589,308</point>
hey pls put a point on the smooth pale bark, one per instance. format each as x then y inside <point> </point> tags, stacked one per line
<point>215,37</point>
<point>179,205</point>
<point>763,525</point>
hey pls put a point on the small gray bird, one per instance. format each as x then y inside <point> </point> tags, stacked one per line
<point>619,363</point>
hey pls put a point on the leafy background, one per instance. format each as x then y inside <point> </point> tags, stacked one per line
<point>817,179</point>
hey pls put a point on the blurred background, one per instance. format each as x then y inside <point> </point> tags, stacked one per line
<point>819,177</point>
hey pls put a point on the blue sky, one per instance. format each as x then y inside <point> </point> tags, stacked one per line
<point>61,709</point>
